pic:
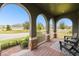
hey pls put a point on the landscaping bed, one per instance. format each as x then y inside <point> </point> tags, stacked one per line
<point>4,44</point>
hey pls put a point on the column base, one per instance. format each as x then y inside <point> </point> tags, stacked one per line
<point>32,43</point>
<point>48,38</point>
<point>55,35</point>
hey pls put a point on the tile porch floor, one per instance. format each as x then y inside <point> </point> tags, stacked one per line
<point>45,49</point>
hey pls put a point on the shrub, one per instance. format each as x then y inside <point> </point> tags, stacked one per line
<point>24,44</point>
<point>13,43</point>
<point>27,38</point>
<point>8,44</point>
<point>4,46</point>
<point>19,41</point>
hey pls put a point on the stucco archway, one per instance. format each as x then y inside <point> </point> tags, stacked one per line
<point>41,34</point>
<point>64,27</point>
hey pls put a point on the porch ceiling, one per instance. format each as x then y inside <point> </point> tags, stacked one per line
<point>59,8</point>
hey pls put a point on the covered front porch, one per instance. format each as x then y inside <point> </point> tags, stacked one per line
<point>46,49</point>
<point>49,46</point>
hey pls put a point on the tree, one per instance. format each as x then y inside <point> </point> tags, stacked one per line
<point>8,28</point>
<point>40,26</point>
<point>62,25</point>
<point>26,25</point>
<point>17,25</point>
<point>3,28</point>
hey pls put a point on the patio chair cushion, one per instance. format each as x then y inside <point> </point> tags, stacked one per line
<point>75,35</point>
<point>74,50</point>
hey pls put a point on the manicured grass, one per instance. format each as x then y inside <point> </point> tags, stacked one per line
<point>66,32</point>
<point>13,31</point>
<point>60,34</point>
<point>4,44</point>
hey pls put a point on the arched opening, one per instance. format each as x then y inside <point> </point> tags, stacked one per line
<point>14,26</point>
<point>51,28</point>
<point>41,27</point>
<point>64,27</point>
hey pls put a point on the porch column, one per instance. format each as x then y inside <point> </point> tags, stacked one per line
<point>33,38</point>
<point>78,27</point>
<point>48,30</point>
<point>55,30</point>
<point>75,25</point>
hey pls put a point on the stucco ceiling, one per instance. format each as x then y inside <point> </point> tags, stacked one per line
<point>59,8</point>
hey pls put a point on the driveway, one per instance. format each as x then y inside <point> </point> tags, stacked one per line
<point>11,36</point>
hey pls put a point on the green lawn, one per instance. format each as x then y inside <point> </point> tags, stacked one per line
<point>61,33</point>
<point>13,31</point>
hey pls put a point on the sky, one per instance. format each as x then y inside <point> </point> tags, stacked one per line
<point>14,14</point>
<point>67,21</point>
<point>41,19</point>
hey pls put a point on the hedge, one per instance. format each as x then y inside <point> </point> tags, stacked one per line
<point>13,42</point>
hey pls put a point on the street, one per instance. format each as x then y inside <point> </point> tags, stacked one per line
<point>11,36</point>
